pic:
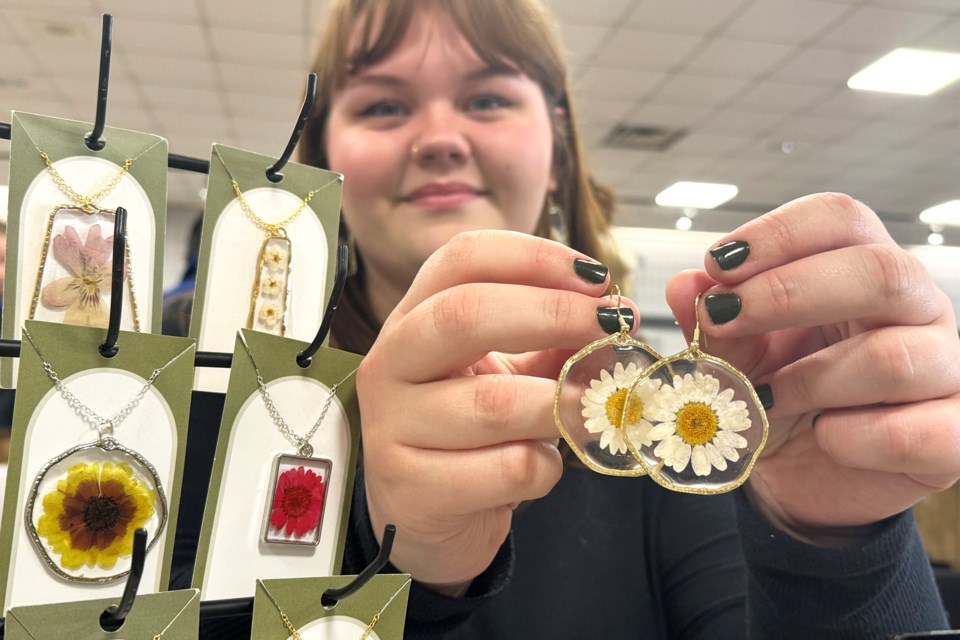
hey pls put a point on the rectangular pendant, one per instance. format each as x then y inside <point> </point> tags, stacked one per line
<point>271,287</point>
<point>296,500</point>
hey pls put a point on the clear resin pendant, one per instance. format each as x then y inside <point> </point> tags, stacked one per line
<point>707,423</point>
<point>295,502</point>
<point>84,506</point>
<point>270,297</point>
<point>593,408</point>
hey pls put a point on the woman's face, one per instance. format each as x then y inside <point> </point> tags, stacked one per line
<point>431,142</point>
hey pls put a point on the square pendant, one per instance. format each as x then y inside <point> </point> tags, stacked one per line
<point>296,500</point>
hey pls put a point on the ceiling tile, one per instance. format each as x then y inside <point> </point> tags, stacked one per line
<point>731,121</point>
<point>167,39</point>
<point>691,89</point>
<point>945,38</point>
<point>684,16</point>
<point>624,84</point>
<point>184,11</point>
<point>581,41</point>
<point>785,21</point>
<point>880,30</point>
<point>856,105</point>
<point>246,79</point>
<point>673,116</point>
<point>647,50</point>
<point>807,130</point>
<point>779,97</point>
<point>272,107</point>
<point>596,12</point>
<point>183,100</point>
<point>605,112</point>
<point>931,6</point>
<point>823,66</point>
<point>172,72</point>
<point>706,145</point>
<point>738,58</point>
<point>256,17</point>
<point>278,50</point>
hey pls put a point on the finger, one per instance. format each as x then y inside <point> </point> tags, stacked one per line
<point>456,327</point>
<point>875,284</point>
<point>920,438</point>
<point>883,366</point>
<point>804,227</point>
<point>506,257</point>
<point>479,479</point>
<point>479,411</point>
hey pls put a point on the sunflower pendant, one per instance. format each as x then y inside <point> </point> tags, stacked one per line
<point>707,423</point>
<point>593,409</point>
<point>270,297</point>
<point>84,506</point>
<point>296,499</point>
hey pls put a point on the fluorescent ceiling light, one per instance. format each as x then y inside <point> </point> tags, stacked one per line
<point>914,71</point>
<point>698,195</point>
<point>946,213</point>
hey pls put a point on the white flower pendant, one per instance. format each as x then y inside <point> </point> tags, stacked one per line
<point>270,297</point>
<point>593,408</point>
<point>707,423</point>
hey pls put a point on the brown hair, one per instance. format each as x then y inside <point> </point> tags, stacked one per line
<point>518,31</point>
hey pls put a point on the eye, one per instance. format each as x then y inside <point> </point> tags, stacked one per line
<point>383,109</point>
<point>487,102</point>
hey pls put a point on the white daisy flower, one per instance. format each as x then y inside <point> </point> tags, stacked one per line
<point>605,401</point>
<point>698,424</point>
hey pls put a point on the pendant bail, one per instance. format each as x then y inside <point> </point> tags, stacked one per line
<point>105,429</point>
<point>306,450</point>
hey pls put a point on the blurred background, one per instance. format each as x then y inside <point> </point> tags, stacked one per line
<point>745,92</point>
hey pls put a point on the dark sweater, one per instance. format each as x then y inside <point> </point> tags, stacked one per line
<point>610,558</point>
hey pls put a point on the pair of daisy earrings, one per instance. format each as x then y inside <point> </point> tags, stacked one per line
<point>692,422</point>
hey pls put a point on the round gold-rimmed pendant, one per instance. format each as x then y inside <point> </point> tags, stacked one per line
<point>708,426</point>
<point>592,408</point>
<point>84,506</point>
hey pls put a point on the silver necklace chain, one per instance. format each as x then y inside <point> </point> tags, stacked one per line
<point>302,443</point>
<point>104,426</point>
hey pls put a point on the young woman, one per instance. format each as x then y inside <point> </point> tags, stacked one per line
<point>452,124</point>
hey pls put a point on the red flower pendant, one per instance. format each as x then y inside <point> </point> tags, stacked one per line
<point>298,502</point>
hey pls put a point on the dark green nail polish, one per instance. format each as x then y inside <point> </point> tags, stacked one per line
<point>731,254</point>
<point>765,393</point>
<point>592,272</point>
<point>609,318</point>
<point>722,307</point>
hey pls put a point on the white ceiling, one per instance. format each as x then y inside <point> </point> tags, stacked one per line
<point>741,76</point>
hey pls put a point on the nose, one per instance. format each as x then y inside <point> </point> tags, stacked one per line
<point>441,141</point>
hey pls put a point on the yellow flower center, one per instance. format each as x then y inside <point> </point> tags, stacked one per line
<point>615,405</point>
<point>696,423</point>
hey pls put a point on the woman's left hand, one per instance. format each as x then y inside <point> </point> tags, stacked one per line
<point>862,356</point>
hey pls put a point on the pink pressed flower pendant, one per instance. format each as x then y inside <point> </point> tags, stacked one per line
<point>73,282</point>
<point>296,499</point>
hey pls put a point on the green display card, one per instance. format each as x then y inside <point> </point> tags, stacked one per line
<point>173,615</point>
<point>235,253</point>
<point>236,544</point>
<point>42,218</point>
<point>299,599</point>
<point>47,461</point>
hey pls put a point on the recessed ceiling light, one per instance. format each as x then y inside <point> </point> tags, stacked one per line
<point>698,195</point>
<point>946,213</point>
<point>684,223</point>
<point>935,239</point>
<point>914,71</point>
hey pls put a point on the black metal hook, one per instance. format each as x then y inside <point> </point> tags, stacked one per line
<point>109,348</point>
<point>305,357</point>
<point>330,597</point>
<point>273,173</point>
<point>94,139</point>
<point>113,616</point>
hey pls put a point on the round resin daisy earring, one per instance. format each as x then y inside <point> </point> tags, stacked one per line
<point>591,405</point>
<point>708,425</point>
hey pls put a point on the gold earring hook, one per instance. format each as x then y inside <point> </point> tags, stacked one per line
<point>695,342</point>
<point>624,326</point>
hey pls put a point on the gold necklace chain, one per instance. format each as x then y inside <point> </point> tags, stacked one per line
<point>87,204</point>
<point>363,636</point>
<point>276,229</point>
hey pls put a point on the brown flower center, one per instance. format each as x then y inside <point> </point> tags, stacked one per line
<point>615,408</point>
<point>296,501</point>
<point>101,513</point>
<point>696,423</point>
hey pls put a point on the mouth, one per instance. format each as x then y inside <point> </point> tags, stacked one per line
<point>442,195</point>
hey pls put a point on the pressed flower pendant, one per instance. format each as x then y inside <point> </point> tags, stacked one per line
<point>592,406</point>
<point>707,423</point>
<point>295,500</point>
<point>74,277</point>
<point>84,506</point>
<point>271,287</point>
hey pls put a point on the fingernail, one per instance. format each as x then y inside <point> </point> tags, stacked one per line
<point>592,272</point>
<point>608,317</point>
<point>731,254</point>
<point>722,307</point>
<point>765,393</point>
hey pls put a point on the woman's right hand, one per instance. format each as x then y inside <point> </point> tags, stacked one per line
<point>456,398</point>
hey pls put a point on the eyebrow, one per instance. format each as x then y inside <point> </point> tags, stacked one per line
<point>381,79</point>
